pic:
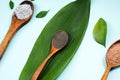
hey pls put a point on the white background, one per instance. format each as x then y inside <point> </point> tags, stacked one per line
<point>89,61</point>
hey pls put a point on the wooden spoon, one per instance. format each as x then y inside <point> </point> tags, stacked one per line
<point>112,58</point>
<point>59,40</point>
<point>16,24</point>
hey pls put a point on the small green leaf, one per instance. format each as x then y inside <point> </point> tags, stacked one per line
<point>11,4</point>
<point>42,14</point>
<point>100,31</point>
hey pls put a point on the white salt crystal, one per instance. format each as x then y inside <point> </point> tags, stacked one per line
<point>23,11</point>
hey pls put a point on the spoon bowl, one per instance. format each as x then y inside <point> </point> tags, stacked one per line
<point>16,24</point>
<point>59,41</point>
<point>113,54</point>
<point>26,20</point>
<point>112,58</point>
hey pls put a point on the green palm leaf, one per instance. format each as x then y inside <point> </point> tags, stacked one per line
<point>73,19</point>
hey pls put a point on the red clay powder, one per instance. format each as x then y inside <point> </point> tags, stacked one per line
<point>113,54</point>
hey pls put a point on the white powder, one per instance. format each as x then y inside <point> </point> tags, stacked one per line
<point>23,11</point>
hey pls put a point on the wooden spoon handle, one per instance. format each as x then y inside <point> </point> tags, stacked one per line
<point>40,68</point>
<point>6,40</point>
<point>104,77</point>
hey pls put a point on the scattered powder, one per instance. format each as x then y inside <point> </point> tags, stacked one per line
<point>113,54</point>
<point>23,11</point>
